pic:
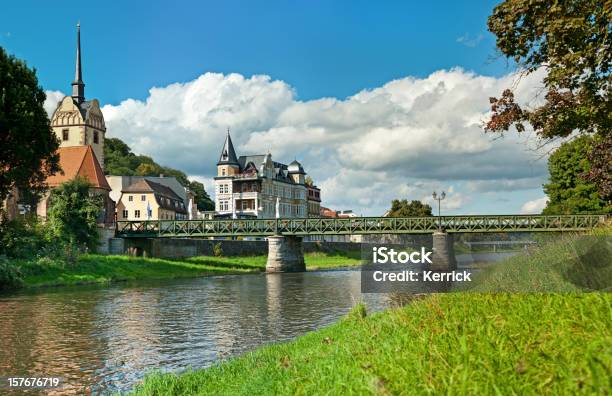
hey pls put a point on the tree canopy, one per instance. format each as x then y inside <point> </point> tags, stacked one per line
<point>567,192</point>
<point>572,41</point>
<point>72,214</point>
<point>27,144</point>
<point>120,160</point>
<point>414,208</point>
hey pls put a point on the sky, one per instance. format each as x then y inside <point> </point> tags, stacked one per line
<point>378,100</point>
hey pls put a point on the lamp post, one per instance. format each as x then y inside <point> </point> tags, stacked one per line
<point>439,198</point>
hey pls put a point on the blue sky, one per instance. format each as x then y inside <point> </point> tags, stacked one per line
<point>378,99</point>
<point>320,48</point>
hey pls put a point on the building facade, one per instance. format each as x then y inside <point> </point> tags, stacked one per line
<point>119,183</point>
<point>147,200</point>
<point>314,200</point>
<point>255,186</point>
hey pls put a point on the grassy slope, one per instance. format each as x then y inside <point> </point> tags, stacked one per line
<point>457,343</point>
<point>101,269</point>
<point>454,344</point>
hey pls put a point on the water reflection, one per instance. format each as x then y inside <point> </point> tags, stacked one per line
<point>106,338</point>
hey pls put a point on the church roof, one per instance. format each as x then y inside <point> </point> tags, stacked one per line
<point>228,154</point>
<point>79,161</point>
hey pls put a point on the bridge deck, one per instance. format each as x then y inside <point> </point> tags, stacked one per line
<point>356,225</point>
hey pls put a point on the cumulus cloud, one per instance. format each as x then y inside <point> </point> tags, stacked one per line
<point>534,207</point>
<point>53,98</point>
<point>401,140</point>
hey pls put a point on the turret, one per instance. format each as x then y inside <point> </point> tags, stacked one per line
<point>228,162</point>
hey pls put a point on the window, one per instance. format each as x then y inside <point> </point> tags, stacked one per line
<point>143,197</point>
<point>65,134</point>
<point>96,138</point>
<point>245,205</point>
<point>223,205</point>
<point>222,171</point>
<point>130,198</point>
<point>137,214</point>
<point>124,214</point>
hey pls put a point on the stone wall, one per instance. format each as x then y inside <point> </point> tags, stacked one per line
<point>183,247</point>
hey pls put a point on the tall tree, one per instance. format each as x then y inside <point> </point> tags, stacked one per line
<point>72,214</point>
<point>567,192</point>
<point>27,144</point>
<point>572,41</point>
<point>413,208</point>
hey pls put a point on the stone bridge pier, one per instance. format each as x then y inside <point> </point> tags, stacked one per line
<point>443,257</point>
<point>285,254</point>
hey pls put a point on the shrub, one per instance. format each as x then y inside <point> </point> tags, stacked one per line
<point>10,274</point>
<point>217,249</point>
<point>21,238</point>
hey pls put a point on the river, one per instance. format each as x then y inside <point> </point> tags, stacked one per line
<point>105,338</point>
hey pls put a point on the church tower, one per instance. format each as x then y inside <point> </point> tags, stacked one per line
<point>76,121</point>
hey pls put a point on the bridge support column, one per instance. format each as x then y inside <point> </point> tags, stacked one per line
<point>443,257</point>
<point>285,254</point>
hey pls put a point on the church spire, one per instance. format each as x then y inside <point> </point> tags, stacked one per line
<point>78,87</point>
<point>228,154</point>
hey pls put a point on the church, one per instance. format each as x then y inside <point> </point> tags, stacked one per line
<point>79,125</point>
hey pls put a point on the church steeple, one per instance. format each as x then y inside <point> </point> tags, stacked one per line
<point>228,154</point>
<point>78,87</point>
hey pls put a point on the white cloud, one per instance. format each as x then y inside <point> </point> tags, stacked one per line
<point>469,40</point>
<point>401,140</point>
<point>534,207</point>
<point>53,98</point>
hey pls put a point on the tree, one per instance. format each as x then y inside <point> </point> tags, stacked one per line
<point>202,198</point>
<point>413,208</point>
<point>27,144</point>
<point>308,181</point>
<point>571,40</point>
<point>72,214</point>
<point>567,192</point>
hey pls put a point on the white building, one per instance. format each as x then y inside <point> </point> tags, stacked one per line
<point>253,186</point>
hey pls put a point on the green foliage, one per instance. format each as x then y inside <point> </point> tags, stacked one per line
<point>308,181</point>
<point>217,249</point>
<point>567,192</point>
<point>27,143</point>
<point>10,274</point>
<point>72,215</point>
<point>571,40</point>
<point>21,238</point>
<point>120,160</point>
<point>413,208</point>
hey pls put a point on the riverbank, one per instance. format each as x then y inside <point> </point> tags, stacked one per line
<point>94,268</point>
<point>456,343</point>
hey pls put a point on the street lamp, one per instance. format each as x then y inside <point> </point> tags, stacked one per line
<point>439,198</point>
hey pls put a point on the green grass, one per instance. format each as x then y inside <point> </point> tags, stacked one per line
<point>569,263</point>
<point>103,269</point>
<point>445,344</point>
<point>457,343</point>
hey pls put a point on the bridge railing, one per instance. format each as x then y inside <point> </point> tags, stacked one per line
<point>357,225</point>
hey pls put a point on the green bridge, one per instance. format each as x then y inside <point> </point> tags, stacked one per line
<point>355,225</point>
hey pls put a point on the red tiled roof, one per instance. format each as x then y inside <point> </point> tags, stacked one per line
<point>79,161</point>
